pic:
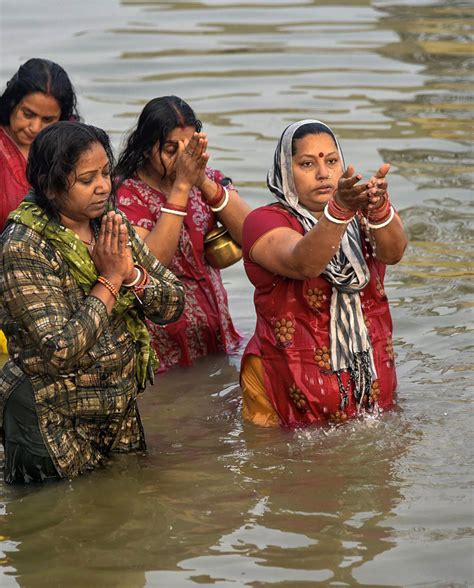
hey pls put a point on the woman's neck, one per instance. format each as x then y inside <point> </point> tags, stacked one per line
<point>151,178</point>
<point>317,214</point>
<point>82,228</point>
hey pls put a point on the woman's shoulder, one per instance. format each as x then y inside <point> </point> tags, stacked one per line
<point>8,149</point>
<point>263,220</point>
<point>272,214</point>
<point>4,137</point>
<point>133,184</point>
<point>15,232</point>
<point>18,240</point>
<point>213,174</point>
<point>138,200</point>
<point>136,188</point>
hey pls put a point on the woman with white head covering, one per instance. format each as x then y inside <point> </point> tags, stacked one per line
<point>322,348</point>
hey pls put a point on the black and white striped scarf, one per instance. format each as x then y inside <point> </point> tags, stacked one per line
<point>347,272</point>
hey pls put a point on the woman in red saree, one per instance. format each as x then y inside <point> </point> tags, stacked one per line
<point>322,349</point>
<point>173,200</point>
<point>39,94</point>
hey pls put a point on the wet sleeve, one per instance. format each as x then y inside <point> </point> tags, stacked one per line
<point>260,221</point>
<point>33,292</point>
<point>163,299</point>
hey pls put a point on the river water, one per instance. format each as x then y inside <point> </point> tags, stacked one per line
<point>216,502</point>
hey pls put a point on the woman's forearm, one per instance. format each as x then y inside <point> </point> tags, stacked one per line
<point>314,251</point>
<point>233,214</point>
<point>163,239</point>
<point>389,242</point>
<point>163,299</point>
<point>285,252</point>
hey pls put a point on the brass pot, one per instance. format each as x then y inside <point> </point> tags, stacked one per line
<point>220,249</point>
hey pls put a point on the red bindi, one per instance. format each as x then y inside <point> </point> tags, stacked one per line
<point>321,154</point>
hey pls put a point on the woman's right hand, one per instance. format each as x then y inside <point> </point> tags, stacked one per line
<point>112,255</point>
<point>349,194</point>
<point>191,159</point>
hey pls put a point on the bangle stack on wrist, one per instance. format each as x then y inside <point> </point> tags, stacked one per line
<point>144,281</point>
<point>382,216</point>
<point>135,280</point>
<point>218,196</point>
<point>334,213</point>
<point>108,284</point>
<point>222,204</point>
<point>175,209</point>
<point>383,222</point>
<point>140,281</point>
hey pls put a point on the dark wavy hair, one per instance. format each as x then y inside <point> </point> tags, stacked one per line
<point>309,129</point>
<point>157,120</point>
<point>53,156</point>
<point>39,75</point>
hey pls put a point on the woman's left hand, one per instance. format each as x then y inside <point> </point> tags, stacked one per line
<point>377,187</point>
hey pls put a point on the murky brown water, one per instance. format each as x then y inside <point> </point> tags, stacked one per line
<point>215,502</point>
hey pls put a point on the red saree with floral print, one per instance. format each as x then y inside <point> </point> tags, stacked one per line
<point>292,336</point>
<point>205,325</point>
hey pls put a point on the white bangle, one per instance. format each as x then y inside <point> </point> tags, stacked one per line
<point>176,212</point>
<point>331,218</point>
<point>385,223</point>
<point>135,281</point>
<point>224,204</point>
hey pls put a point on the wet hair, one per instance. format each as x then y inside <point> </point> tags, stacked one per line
<point>310,129</point>
<point>39,75</point>
<point>53,156</point>
<point>157,120</point>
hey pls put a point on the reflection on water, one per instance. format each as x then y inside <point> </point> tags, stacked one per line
<point>431,169</point>
<point>234,502</point>
<point>437,37</point>
<point>381,502</point>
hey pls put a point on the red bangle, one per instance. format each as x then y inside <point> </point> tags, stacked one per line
<point>339,213</point>
<point>379,214</point>
<point>144,280</point>
<point>218,197</point>
<point>176,207</point>
<point>380,219</point>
